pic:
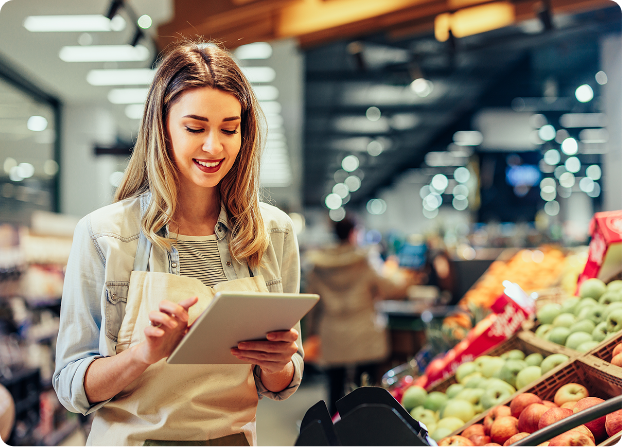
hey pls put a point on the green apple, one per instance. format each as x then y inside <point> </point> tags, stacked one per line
<point>493,365</point>
<point>552,361</point>
<point>476,382</point>
<point>420,413</point>
<point>569,305</point>
<point>458,408</point>
<point>547,313</point>
<point>611,307</point>
<point>453,390</point>
<point>414,396</point>
<point>514,354</point>
<point>527,376</point>
<point>587,346</point>
<point>558,335</point>
<point>614,321</point>
<point>472,395</point>
<point>440,433</point>
<point>596,313</point>
<point>543,330</point>
<point>482,361</point>
<point>611,296</point>
<point>615,285</point>
<point>494,395</point>
<point>464,370</point>
<point>510,370</point>
<point>565,320</point>
<point>583,326</point>
<point>585,302</point>
<point>493,382</point>
<point>575,339</point>
<point>475,375</point>
<point>534,359</point>
<point>435,401</point>
<point>592,288</point>
<point>600,332</point>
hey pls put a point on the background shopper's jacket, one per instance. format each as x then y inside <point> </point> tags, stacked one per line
<point>97,282</point>
<point>345,319</point>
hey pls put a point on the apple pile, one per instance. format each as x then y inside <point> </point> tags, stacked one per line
<point>482,384</point>
<point>581,323</point>
<point>527,413</point>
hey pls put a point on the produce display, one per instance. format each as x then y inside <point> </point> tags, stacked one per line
<point>481,384</point>
<point>583,322</point>
<point>528,413</point>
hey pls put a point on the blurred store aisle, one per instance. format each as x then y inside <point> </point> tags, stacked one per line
<point>277,422</point>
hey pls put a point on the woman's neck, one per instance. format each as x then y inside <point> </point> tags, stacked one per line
<point>196,213</point>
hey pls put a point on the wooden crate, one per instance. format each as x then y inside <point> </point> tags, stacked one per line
<point>604,351</point>
<point>600,378</point>
<point>525,341</point>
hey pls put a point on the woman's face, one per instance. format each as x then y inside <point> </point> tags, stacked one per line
<point>205,136</point>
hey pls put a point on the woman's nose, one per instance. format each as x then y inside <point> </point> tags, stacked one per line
<point>212,143</point>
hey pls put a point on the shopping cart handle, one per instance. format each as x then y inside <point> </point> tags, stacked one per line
<point>573,421</point>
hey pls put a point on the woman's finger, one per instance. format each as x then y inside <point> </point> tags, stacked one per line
<point>154,332</point>
<point>188,303</point>
<point>288,336</point>
<point>159,318</point>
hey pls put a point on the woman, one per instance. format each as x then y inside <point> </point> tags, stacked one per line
<point>186,223</point>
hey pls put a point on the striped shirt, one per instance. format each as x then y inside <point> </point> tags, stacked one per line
<point>199,258</point>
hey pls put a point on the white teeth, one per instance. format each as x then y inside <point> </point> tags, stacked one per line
<point>208,165</point>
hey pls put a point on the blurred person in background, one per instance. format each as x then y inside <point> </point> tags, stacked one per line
<point>187,212</point>
<point>353,338</point>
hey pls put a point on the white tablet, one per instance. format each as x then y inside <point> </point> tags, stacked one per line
<point>233,317</point>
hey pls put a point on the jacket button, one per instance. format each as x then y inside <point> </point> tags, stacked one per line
<point>228,263</point>
<point>174,265</point>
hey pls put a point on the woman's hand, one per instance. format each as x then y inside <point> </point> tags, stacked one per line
<point>168,325</point>
<point>273,355</point>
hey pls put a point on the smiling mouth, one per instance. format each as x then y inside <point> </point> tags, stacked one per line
<point>207,164</point>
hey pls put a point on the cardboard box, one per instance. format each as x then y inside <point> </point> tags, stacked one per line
<point>605,253</point>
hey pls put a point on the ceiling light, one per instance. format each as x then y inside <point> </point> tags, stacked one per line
<point>50,167</point>
<point>595,192</point>
<point>404,121</point>
<point>134,111</point>
<point>561,135</point>
<point>462,175</point>
<point>586,184</point>
<point>594,136</point>
<point>115,178</point>
<point>341,190</point>
<point>145,21</point>
<point>422,87</point>
<point>432,201</point>
<point>548,194</point>
<point>350,163</point>
<point>601,77</point>
<point>25,170</point>
<point>570,146</point>
<point>257,50</point>
<point>594,172</point>
<point>547,133</point>
<point>104,53</point>
<point>460,191</point>
<point>333,201</point>
<point>85,39</point>
<point>552,157</point>
<point>460,204</point>
<point>374,148</point>
<point>538,120</point>
<point>547,182</point>
<point>439,182</point>
<point>270,107</point>
<point>353,183</point>
<point>73,23</point>
<point>551,208</point>
<point>584,93</point>
<point>9,163</point>
<point>468,138</point>
<point>583,120</point>
<point>430,214</point>
<point>567,180</point>
<point>266,92</point>
<point>373,114</point>
<point>128,95</point>
<point>475,20</point>
<point>14,174</point>
<point>573,165</point>
<point>37,123</point>
<point>376,206</point>
<point>337,215</point>
<point>128,76</point>
<point>259,74</point>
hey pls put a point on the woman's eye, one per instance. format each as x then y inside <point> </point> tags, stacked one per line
<point>191,130</point>
<point>230,132</point>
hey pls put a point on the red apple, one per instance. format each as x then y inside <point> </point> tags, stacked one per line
<point>530,417</point>
<point>617,359</point>
<point>475,429</point>
<point>597,426</point>
<point>617,350</point>
<point>522,401</point>
<point>455,440</point>
<point>493,444</point>
<point>493,414</point>
<point>544,444</point>
<point>571,392</point>
<point>570,438</point>
<point>569,405</point>
<point>503,429</point>
<point>587,431</point>
<point>549,404</point>
<point>613,423</point>
<point>553,415</point>
<point>516,437</point>
<point>480,439</point>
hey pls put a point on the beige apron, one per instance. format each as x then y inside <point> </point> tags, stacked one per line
<point>194,404</point>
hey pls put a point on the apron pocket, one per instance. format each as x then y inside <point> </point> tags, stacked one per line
<point>116,300</point>
<point>275,285</point>
<point>236,439</point>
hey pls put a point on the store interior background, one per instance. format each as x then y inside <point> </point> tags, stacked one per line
<point>372,109</point>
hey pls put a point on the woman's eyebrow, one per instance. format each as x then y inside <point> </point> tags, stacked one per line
<point>202,118</point>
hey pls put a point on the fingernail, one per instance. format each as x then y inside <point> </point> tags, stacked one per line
<point>271,336</point>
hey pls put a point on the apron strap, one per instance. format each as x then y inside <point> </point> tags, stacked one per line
<point>250,271</point>
<point>141,260</point>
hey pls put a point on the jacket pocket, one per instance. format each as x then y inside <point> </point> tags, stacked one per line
<point>116,300</point>
<point>275,285</point>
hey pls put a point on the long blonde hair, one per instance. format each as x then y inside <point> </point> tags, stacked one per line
<point>151,168</point>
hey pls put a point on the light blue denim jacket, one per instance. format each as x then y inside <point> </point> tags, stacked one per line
<point>97,282</point>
